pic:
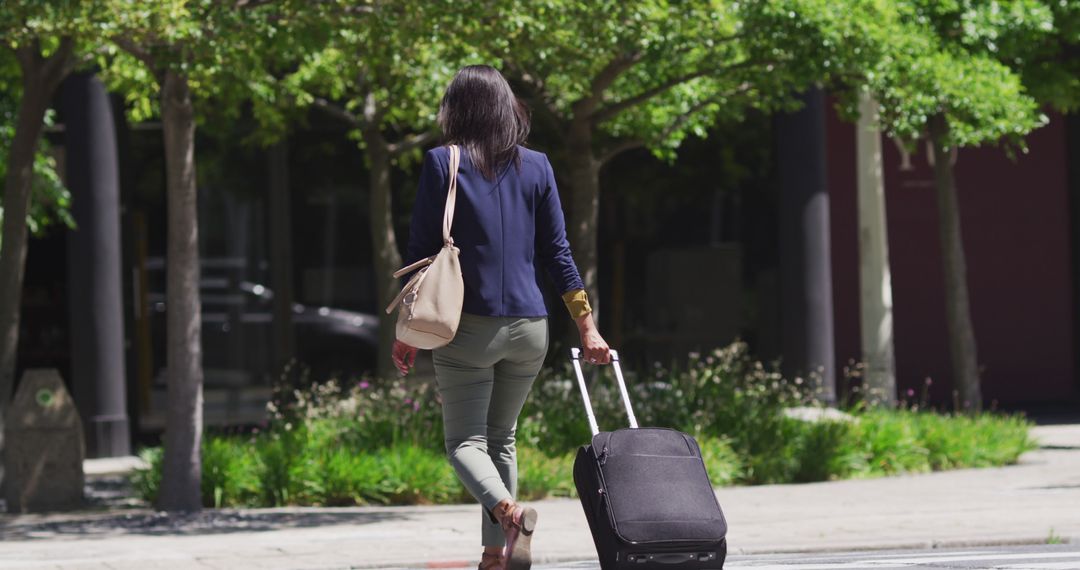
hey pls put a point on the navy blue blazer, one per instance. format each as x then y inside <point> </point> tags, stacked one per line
<point>502,228</point>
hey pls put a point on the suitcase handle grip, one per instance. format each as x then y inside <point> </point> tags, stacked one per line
<point>575,357</point>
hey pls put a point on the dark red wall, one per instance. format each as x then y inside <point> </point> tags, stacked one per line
<point>1015,224</point>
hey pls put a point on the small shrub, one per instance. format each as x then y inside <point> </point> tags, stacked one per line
<point>721,461</point>
<point>824,452</point>
<point>147,482</point>
<point>230,473</point>
<point>891,443</point>
<point>541,476</point>
<point>957,441</point>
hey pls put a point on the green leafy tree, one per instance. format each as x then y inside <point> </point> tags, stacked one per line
<point>383,79</point>
<point>949,86</point>
<point>40,41</point>
<point>936,70</point>
<point>186,60</point>
<point>609,76</point>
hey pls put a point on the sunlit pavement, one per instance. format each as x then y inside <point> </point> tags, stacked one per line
<point>1047,557</point>
<point>1031,503</point>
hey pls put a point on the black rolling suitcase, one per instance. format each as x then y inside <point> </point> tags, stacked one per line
<point>646,494</point>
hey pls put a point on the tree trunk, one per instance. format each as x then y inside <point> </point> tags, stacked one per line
<point>17,187</point>
<point>40,79</point>
<point>384,240</point>
<point>957,311</point>
<point>583,174</point>
<point>180,485</point>
<point>879,376</point>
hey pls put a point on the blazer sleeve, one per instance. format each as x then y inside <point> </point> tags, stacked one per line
<point>425,229</point>
<point>551,245</point>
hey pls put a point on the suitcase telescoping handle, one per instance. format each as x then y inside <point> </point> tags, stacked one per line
<point>575,356</point>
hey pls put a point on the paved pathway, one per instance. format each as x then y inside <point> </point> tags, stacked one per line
<point>1023,504</point>
<point>1046,557</point>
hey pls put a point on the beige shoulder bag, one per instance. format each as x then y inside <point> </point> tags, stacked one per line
<point>431,300</point>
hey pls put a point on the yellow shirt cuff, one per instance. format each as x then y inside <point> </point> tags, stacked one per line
<point>577,302</point>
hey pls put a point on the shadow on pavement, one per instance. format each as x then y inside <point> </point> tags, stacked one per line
<point>89,525</point>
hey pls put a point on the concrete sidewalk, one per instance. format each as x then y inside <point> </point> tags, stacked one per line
<point>1033,502</point>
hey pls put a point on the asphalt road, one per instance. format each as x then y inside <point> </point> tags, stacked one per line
<point>1044,557</point>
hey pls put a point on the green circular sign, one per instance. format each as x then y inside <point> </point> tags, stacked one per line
<point>45,397</point>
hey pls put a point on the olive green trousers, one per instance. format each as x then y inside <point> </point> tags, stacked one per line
<point>484,376</point>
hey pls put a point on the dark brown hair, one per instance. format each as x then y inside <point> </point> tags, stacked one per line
<point>480,112</point>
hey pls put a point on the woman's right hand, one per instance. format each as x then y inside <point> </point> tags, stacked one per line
<point>404,356</point>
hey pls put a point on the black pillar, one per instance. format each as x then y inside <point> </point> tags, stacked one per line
<point>281,266</point>
<point>805,263</point>
<point>1072,162</point>
<point>94,266</point>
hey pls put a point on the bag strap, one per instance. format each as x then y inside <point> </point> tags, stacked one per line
<point>451,195</point>
<point>414,266</point>
<point>448,221</point>
<point>407,288</point>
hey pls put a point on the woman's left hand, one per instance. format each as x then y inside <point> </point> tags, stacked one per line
<point>594,347</point>
<point>404,356</point>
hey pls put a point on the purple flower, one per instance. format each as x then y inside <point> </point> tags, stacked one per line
<point>408,400</point>
<point>364,385</point>
<point>929,381</point>
<point>416,406</point>
<point>910,392</point>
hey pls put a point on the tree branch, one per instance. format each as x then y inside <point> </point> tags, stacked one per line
<point>538,93</point>
<point>137,51</point>
<point>337,112</point>
<point>85,59</point>
<point>251,3</point>
<point>617,107</point>
<point>411,142</point>
<point>26,58</point>
<point>613,109</point>
<point>583,108</point>
<point>689,114</point>
<point>56,66</point>
<point>613,151</point>
<point>617,149</point>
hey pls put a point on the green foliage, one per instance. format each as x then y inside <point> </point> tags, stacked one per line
<point>1053,538</point>
<point>1047,59</point>
<point>920,58</point>
<point>366,414</point>
<point>44,22</point>
<point>972,441</point>
<point>147,482</point>
<point>37,28</point>
<point>382,73</point>
<point>230,473</point>
<point>891,445</point>
<point>725,393</point>
<point>541,475</point>
<point>381,443</point>
<point>50,201</point>
<point>641,73</point>
<point>228,51</point>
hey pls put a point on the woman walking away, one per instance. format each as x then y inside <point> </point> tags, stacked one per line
<point>507,214</point>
